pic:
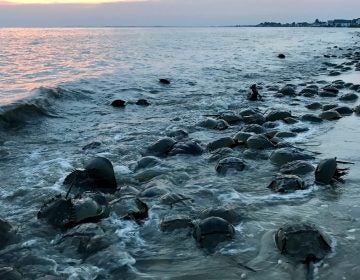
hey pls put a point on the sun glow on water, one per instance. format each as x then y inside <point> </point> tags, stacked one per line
<point>65,1</point>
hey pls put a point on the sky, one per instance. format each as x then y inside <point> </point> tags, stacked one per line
<point>57,13</point>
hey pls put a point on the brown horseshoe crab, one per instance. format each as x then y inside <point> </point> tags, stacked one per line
<point>327,171</point>
<point>66,213</point>
<point>98,175</point>
<point>302,242</point>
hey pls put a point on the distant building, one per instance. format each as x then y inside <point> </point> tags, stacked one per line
<point>319,23</point>
<point>340,23</point>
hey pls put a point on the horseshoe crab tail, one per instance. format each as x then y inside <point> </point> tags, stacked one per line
<point>310,267</point>
<point>72,184</point>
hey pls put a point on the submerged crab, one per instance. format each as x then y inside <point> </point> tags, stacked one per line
<point>327,171</point>
<point>211,231</point>
<point>66,213</point>
<point>287,184</point>
<point>303,242</point>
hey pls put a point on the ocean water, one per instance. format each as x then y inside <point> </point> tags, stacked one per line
<point>56,87</point>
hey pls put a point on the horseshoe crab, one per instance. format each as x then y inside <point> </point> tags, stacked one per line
<point>10,273</point>
<point>66,213</point>
<point>302,242</point>
<point>189,147</point>
<point>211,231</point>
<point>161,147</point>
<point>225,164</point>
<point>327,170</point>
<point>214,124</point>
<point>297,167</point>
<point>98,175</point>
<point>287,184</point>
<point>175,222</point>
<point>225,142</point>
<point>7,233</point>
<point>227,212</point>
<point>141,214</point>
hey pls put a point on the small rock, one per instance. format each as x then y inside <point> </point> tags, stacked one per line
<point>281,56</point>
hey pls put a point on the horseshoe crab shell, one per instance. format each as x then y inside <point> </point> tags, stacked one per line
<point>325,171</point>
<point>302,241</point>
<point>7,233</point>
<point>98,174</point>
<point>66,213</point>
<point>174,222</point>
<point>227,212</point>
<point>211,231</point>
<point>286,184</point>
<point>225,164</point>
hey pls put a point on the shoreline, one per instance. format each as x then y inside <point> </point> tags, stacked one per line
<point>143,250</point>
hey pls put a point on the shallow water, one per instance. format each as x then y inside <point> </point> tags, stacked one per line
<point>56,89</point>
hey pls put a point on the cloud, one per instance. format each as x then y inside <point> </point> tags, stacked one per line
<point>176,12</point>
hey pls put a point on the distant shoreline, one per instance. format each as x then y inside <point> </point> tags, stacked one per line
<point>165,26</point>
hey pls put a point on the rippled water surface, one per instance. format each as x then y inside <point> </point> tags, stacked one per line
<point>56,87</point>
